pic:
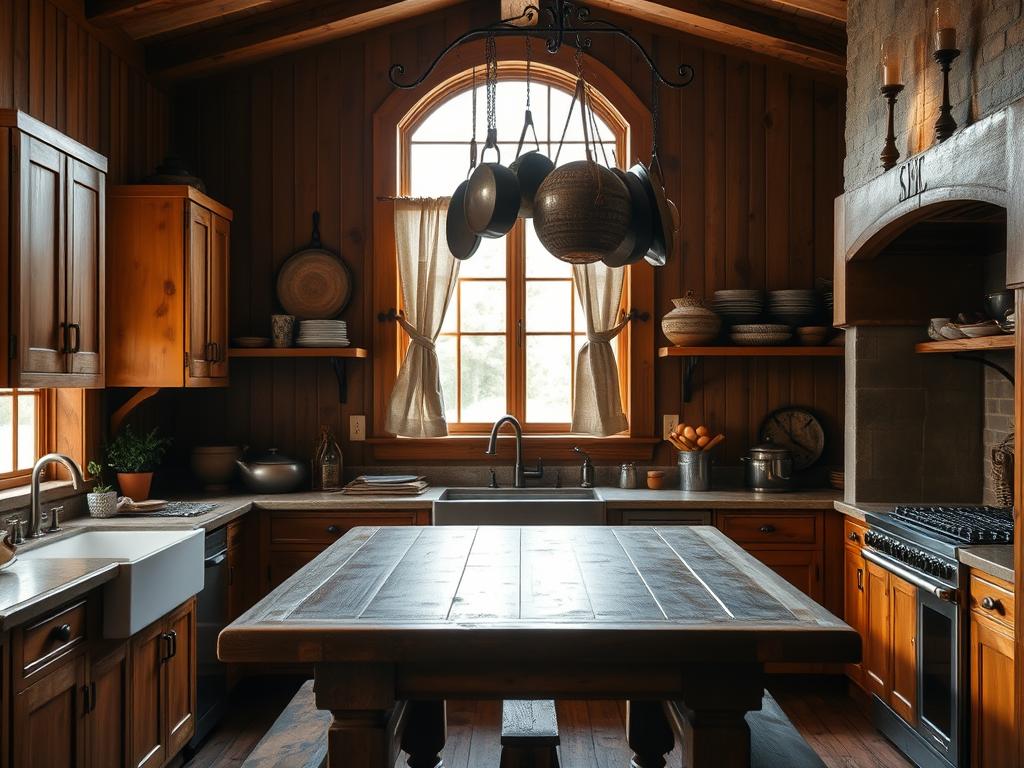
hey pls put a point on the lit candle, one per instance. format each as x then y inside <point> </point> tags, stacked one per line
<point>945,25</point>
<point>891,62</point>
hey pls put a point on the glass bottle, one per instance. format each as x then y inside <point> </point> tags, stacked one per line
<point>327,463</point>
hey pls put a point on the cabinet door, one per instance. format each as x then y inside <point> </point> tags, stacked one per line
<point>40,265</point>
<point>903,696</point>
<point>108,726</point>
<point>284,564</point>
<point>148,721</point>
<point>217,296</point>
<point>854,603</point>
<point>800,567</point>
<point>49,719</point>
<point>180,677</point>
<point>200,235</point>
<point>993,730</point>
<point>877,656</point>
<point>85,278</point>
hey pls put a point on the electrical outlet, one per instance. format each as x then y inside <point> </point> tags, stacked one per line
<point>669,421</point>
<point>356,428</point>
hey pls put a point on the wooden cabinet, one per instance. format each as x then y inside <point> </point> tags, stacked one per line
<point>903,608</point>
<point>800,567</point>
<point>877,646</point>
<point>290,540</point>
<point>659,517</point>
<point>107,734</point>
<point>163,694</point>
<point>168,248</point>
<point>52,260</point>
<point>993,726</point>
<point>855,591</point>
<point>49,725</point>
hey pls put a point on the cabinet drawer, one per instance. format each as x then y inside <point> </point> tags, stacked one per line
<point>992,600</point>
<point>770,529</point>
<point>305,528</point>
<point>853,532</point>
<point>43,642</point>
<point>666,517</point>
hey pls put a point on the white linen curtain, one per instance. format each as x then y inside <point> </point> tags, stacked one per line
<point>427,272</point>
<point>597,408</point>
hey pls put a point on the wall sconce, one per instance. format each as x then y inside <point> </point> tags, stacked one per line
<point>891,86</point>
<point>945,53</point>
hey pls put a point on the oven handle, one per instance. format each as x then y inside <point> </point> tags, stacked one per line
<point>893,566</point>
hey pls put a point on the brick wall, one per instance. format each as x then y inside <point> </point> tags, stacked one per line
<point>988,75</point>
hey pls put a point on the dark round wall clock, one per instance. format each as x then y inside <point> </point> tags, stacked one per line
<point>798,430</point>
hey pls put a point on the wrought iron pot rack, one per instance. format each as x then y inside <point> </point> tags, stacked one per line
<point>561,19</point>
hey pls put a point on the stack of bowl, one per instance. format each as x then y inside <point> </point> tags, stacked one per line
<point>794,307</point>
<point>738,306</point>
<point>760,335</point>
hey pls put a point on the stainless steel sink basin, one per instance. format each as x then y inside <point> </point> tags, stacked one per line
<point>519,506</point>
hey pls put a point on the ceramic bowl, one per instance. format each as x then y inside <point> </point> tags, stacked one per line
<point>978,330</point>
<point>813,335</point>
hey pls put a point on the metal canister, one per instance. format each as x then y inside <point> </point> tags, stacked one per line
<point>627,475</point>
<point>694,471</point>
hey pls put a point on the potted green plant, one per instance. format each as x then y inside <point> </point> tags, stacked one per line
<point>134,458</point>
<point>102,499</point>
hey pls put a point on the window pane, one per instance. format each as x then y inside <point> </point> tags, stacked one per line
<point>549,379</point>
<point>483,378</point>
<point>437,169</point>
<point>488,261</point>
<point>448,369</point>
<point>540,263</point>
<point>483,306</point>
<point>26,431</point>
<point>6,435</point>
<point>451,120</point>
<point>548,306</point>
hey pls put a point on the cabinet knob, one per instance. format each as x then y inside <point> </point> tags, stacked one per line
<point>333,529</point>
<point>853,536</point>
<point>62,633</point>
<point>767,529</point>
<point>990,604</point>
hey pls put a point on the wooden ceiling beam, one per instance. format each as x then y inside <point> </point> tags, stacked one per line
<point>792,38</point>
<point>827,10</point>
<point>142,19</point>
<point>296,25</point>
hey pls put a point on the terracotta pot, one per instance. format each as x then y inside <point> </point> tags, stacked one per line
<point>690,323</point>
<point>135,485</point>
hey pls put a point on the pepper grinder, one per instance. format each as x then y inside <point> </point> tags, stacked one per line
<point>627,475</point>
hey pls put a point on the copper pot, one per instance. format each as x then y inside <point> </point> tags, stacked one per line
<point>581,212</point>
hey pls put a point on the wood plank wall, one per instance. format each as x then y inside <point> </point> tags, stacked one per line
<point>56,68</point>
<point>753,154</point>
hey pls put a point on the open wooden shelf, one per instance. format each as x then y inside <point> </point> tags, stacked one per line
<point>732,351</point>
<point>358,352</point>
<point>984,344</point>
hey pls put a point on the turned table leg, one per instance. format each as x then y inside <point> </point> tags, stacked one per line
<point>649,734</point>
<point>359,738</point>
<point>425,732</point>
<point>361,699</point>
<point>715,705</point>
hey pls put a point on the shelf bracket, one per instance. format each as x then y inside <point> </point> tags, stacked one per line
<point>117,417</point>
<point>985,361</point>
<point>688,366</point>
<point>341,373</point>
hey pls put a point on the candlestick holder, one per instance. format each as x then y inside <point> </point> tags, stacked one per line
<point>889,152</point>
<point>945,125</point>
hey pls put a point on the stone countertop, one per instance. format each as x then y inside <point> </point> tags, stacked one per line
<point>29,588</point>
<point>736,498</point>
<point>993,559</point>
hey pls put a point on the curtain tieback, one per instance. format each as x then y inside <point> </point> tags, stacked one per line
<point>415,336</point>
<point>594,337</point>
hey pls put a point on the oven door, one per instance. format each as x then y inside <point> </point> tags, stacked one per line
<point>941,681</point>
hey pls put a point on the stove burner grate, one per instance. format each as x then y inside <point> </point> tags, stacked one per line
<point>966,524</point>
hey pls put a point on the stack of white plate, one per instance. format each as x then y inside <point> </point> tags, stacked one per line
<point>738,305</point>
<point>795,306</point>
<point>761,335</point>
<point>322,333</point>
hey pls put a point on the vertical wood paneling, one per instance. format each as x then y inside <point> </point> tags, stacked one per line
<point>751,151</point>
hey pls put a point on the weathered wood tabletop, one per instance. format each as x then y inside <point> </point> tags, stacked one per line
<point>396,620</point>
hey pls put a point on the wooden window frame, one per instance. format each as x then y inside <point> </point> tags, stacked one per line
<point>614,102</point>
<point>43,399</point>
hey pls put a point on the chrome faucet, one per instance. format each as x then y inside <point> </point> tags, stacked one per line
<point>35,513</point>
<point>521,473</point>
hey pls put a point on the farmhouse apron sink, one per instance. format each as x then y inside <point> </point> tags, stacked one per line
<point>158,571</point>
<point>519,506</point>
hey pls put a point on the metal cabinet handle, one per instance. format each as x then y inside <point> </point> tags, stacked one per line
<point>990,604</point>
<point>860,579</point>
<point>174,643</point>
<point>767,529</point>
<point>92,695</point>
<point>86,705</point>
<point>333,529</point>
<point>62,633</point>
<point>853,536</point>
<point>165,637</point>
<point>77,346</point>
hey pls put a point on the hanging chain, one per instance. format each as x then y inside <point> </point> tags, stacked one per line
<point>474,103</point>
<point>655,115</point>
<point>529,61</point>
<point>492,82</point>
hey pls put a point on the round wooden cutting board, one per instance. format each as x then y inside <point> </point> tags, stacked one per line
<point>314,285</point>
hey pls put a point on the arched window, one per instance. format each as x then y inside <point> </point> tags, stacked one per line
<point>515,326</point>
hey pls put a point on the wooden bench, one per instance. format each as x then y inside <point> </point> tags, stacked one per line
<point>297,739</point>
<point>774,740</point>
<point>529,734</point>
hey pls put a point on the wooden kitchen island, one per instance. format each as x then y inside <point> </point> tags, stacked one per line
<point>397,620</point>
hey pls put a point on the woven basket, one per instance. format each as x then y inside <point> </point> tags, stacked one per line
<point>1002,471</point>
